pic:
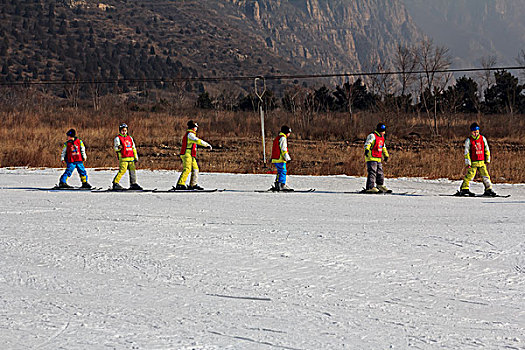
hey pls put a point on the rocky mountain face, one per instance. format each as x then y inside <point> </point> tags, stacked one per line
<point>110,39</point>
<point>331,35</point>
<point>473,28</point>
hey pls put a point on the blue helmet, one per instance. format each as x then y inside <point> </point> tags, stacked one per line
<point>474,127</point>
<point>381,127</point>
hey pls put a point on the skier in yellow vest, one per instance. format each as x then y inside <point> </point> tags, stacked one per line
<point>280,157</point>
<point>477,156</point>
<point>375,150</point>
<point>188,154</point>
<point>127,155</point>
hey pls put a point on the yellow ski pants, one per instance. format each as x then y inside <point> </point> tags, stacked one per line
<point>471,174</point>
<point>189,166</point>
<point>125,165</point>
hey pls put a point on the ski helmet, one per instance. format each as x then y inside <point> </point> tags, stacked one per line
<point>71,132</point>
<point>381,127</point>
<point>122,126</point>
<point>191,124</point>
<point>286,129</point>
<point>474,127</point>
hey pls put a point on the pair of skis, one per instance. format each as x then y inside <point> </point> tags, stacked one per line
<point>458,194</point>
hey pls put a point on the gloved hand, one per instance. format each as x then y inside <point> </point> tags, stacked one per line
<point>367,151</point>
<point>386,159</point>
<point>136,160</point>
<point>210,147</point>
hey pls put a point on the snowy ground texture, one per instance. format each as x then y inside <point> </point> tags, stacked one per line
<point>245,270</point>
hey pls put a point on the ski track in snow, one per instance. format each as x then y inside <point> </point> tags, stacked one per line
<point>242,270</point>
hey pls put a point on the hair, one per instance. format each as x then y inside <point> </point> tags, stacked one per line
<point>286,129</point>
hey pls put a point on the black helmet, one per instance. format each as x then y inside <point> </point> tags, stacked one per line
<point>286,129</point>
<point>474,127</point>
<point>71,132</point>
<point>381,127</point>
<point>122,126</point>
<point>192,124</point>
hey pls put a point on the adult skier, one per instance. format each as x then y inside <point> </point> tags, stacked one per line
<point>74,155</point>
<point>375,150</point>
<point>188,155</point>
<point>127,156</point>
<point>280,157</point>
<point>477,156</point>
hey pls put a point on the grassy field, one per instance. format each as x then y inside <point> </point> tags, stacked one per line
<point>329,143</point>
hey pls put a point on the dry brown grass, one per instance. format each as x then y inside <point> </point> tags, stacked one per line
<point>329,144</point>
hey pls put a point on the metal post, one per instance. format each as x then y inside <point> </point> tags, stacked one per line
<point>261,112</point>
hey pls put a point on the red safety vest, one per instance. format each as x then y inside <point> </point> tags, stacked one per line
<point>73,153</point>
<point>127,146</point>
<point>477,149</point>
<point>377,150</point>
<point>185,145</point>
<point>276,148</point>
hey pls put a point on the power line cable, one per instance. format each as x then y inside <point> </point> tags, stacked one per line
<point>250,78</point>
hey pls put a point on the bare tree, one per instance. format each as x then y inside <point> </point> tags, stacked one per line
<point>72,90</point>
<point>94,91</point>
<point>487,75</point>
<point>406,62</point>
<point>433,61</point>
<point>521,61</point>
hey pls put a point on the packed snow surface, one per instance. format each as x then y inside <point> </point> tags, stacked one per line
<point>245,270</point>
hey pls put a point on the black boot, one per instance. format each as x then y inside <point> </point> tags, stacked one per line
<point>64,185</point>
<point>490,193</point>
<point>117,187</point>
<point>195,188</point>
<point>466,192</point>
<point>86,185</point>
<point>180,187</point>
<point>135,187</point>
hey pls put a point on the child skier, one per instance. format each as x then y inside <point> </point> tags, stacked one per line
<point>375,149</point>
<point>127,156</point>
<point>188,155</point>
<point>477,156</point>
<point>280,157</point>
<point>73,154</point>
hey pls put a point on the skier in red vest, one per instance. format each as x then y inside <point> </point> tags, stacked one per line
<point>477,156</point>
<point>188,154</point>
<point>74,155</point>
<point>375,150</point>
<point>280,157</point>
<point>127,155</point>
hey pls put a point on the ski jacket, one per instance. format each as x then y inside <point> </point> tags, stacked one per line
<point>73,151</point>
<point>375,143</point>
<point>190,142</point>
<point>280,149</point>
<point>477,151</point>
<point>125,148</point>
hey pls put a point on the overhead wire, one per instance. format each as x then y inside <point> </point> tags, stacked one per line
<point>251,77</point>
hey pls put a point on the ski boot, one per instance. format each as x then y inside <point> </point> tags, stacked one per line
<point>117,187</point>
<point>180,187</point>
<point>195,188</point>
<point>466,193</point>
<point>64,185</point>
<point>383,189</point>
<point>86,185</point>
<point>285,188</point>
<point>372,190</point>
<point>276,186</point>
<point>490,193</point>
<point>135,187</point>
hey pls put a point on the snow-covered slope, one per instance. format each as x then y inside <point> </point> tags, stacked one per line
<point>244,270</point>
